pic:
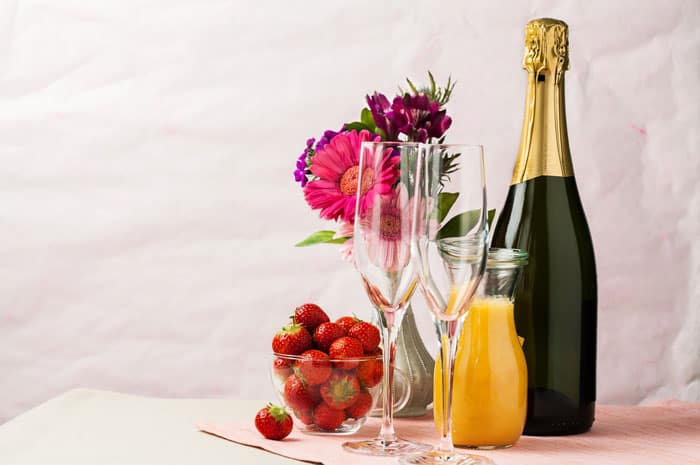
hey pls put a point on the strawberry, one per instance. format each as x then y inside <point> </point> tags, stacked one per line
<point>340,390</point>
<point>313,367</point>
<point>361,406</point>
<point>370,372</point>
<point>310,316</point>
<point>297,395</point>
<point>328,418</point>
<point>273,422</point>
<point>347,322</point>
<point>315,392</point>
<point>346,347</point>
<point>367,334</point>
<point>282,368</point>
<point>293,339</point>
<point>326,333</point>
<point>304,416</point>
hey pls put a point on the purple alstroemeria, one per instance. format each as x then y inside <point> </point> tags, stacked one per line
<point>380,107</point>
<point>415,116</point>
<point>419,118</point>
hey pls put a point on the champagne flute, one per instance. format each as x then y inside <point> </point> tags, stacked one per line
<point>449,247</point>
<point>382,254</point>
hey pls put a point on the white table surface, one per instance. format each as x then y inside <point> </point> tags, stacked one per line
<point>90,427</point>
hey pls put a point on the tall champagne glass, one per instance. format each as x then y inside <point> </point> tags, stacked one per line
<point>386,193</point>
<point>449,249</point>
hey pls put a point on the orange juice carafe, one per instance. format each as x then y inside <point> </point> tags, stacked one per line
<point>489,393</point>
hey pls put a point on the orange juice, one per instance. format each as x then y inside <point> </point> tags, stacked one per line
<point>489,399</point>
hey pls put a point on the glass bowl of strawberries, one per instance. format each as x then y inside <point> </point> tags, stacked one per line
<point>328,374</point>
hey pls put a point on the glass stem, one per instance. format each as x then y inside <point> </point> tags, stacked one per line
<point>387,433</point>
<point>449,334</point>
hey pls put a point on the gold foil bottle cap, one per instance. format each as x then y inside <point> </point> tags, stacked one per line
<point>546,47</point>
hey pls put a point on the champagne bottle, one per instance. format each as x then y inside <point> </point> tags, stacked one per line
<point>555,305</point>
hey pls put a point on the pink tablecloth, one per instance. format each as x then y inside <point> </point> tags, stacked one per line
<point>666,434</point>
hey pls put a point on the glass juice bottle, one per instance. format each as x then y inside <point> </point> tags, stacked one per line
<point>489,398</point>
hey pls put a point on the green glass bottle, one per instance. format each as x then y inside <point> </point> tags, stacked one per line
<point>556,304</point>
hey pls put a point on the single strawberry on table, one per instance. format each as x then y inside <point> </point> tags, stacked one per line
<point>367,334</point>
<point>298,395</point>
<point>340,390</point>
<point>273,422</point>
<point>326,334</point>
<point>310,316</point>
<point>292,339</point>
<point>314,367</point>
<point>347,322</point>
<point>361,406</point>
<point>328,418</point>
<point>346,347</point>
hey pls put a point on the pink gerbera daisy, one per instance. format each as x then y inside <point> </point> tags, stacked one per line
<point>386,229</point>
<point>336,167</point>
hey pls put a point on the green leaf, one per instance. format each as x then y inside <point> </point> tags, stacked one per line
<point>461,224</point>
<point>358,126</point>
<point>367,118</point>
<point>321,237</point>
<point>445,202</point>
<point>489,216</point>
<point>412,86</point>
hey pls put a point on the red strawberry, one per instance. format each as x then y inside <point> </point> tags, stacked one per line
<point>315,392</point>
<point>368,335</point>
<point>346,347</point>
<point>313,367</point>
<point>328,418</point>
<point>370,372</point>
<point>304,416</point>
<point>310,316</point>
<point>340,391</point>
<point>293,339</point>
<point>326,333</point>
<point>273,422</point>
<point>361,406</point>
<point>282,368</point>
<point>297,395</point>
<point>347,322</point>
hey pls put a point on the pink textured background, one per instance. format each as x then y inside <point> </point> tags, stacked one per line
<point>148,213</point>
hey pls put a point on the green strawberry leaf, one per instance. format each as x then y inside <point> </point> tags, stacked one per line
<point>321,237</point>
<point>461,224</point>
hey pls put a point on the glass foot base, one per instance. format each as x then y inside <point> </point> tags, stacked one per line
<point>506,446</point>
<point>380,447</point>
<point>440,458</point>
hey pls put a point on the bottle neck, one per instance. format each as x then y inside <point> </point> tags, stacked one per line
<point>544,141</point>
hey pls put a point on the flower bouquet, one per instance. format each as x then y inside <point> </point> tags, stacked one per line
<point>327,170</point>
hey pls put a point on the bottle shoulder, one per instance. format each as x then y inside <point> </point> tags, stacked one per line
<point>544,213</point>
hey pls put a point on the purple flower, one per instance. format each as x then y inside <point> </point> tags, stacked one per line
<point>326,138</point>
<point>415,116</point>
<point>383,118</point>
<point>302,172</point>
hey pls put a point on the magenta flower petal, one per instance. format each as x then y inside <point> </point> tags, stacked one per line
<point>336,167</point>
